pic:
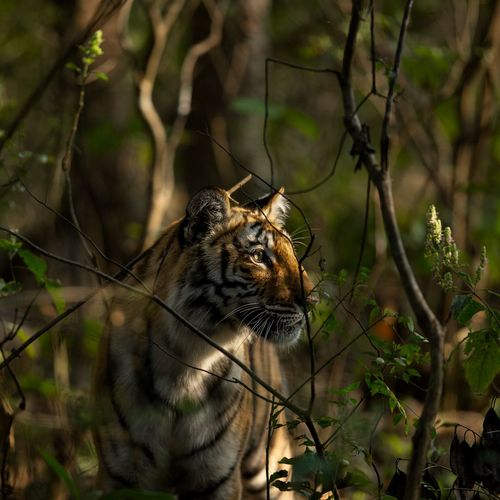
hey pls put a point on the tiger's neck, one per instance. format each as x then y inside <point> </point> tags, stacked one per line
<point>186,364</point>
<point>184,361</point>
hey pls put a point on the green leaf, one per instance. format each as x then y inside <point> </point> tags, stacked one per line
<point>11,245</point>
<point>483,361</point>
<point>35,264</point>
<point>302,122</point>
<point>101,76</point>
<point>62,473</point>
<point>55,291</point>
<point>326,421</point>
<point>356,477</point>
<point>291,424</point>
<point>464,307</point>
<point>251,105</point>
<point>9,288</point>
<point>23,337</point>
<point>292,486</point>
<point>73,67</point>
<point>331,323</point>
<point>375,314</point>
<point>43,386</point>
<point>408,322</point>
<point>343,391</point>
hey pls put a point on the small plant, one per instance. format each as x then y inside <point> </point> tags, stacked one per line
<point>482,345</point>
<point>90,52</point>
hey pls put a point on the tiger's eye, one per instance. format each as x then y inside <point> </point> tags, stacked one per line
<point>258,256</point>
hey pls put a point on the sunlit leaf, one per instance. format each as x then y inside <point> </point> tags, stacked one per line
<point>56,293</point>
<point>35,264</point>
<point>101,76</point>
<point>9,288</point>
<point>23,337</point>
<point>73,67</point>
<point>11,245</point>
<point>62,473</point>
<point>356,477</point>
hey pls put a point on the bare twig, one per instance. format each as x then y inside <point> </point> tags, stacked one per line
<point>239,185</point>
<point>364,235</point>
<point>331,71</point>
<point>67,161</point>
<point>384,136</point>
<point>80,232</point>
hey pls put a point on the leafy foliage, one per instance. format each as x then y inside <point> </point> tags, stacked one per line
<point>482,346</point>
<point>38,268</point>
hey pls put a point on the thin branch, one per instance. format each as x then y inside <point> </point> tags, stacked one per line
<point>232,380</point>
<point>68,159</point>
<point>266,115</point>
<point>425,317</point>
<point>81,233</point>
<point>372,47</point>
<point>393,75</point>
<point>332,358</point>
<point>364,236</point>
<point>16,327</point>
<point>266,122</point>
<point>8,420</point>
<point>239,185</point>
<point>261,179</point>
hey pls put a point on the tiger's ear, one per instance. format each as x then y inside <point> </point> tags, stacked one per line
<point>274,206</point>
<point>206,209</point>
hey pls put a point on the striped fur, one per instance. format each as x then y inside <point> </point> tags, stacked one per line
<point>168,416</point>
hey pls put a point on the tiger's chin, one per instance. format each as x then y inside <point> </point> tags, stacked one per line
<point>288,335</point>
<point>276,325</point>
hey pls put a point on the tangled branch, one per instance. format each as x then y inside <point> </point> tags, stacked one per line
<point>379,175</point>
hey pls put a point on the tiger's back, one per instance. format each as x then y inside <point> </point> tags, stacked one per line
<point>173,413</point>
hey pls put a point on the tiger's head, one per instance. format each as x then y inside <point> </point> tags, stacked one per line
<point>246,267</point>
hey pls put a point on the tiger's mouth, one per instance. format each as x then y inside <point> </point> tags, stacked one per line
<point>275,323</point>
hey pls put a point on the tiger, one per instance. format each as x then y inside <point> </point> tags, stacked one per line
<point>173,413</point>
